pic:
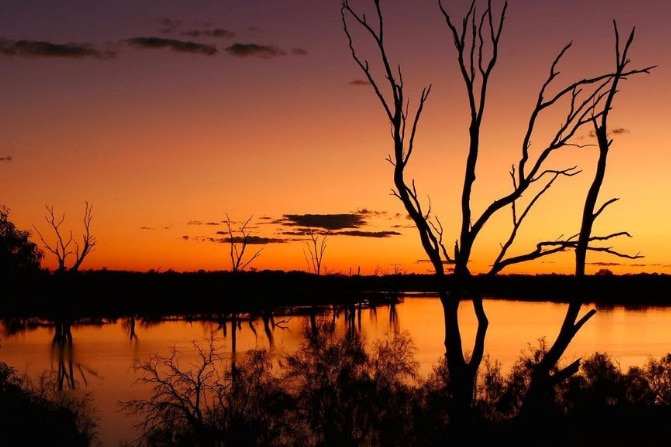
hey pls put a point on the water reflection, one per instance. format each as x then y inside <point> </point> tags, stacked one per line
<point>98,356</point>
<point>62,350</point>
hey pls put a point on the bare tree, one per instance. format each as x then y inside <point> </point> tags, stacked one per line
<point>476,41</point>
<point>314,255</point>
<point>238,241</point>
<point>66,244</point>
<point>543,377</point>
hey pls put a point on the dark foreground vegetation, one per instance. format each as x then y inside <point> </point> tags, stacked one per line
<point>41,414</point>
<point>336,392</point>
<point>340,390</point>
<point>117,293</point>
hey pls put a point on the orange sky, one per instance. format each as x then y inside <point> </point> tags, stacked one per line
<point>167,116</point>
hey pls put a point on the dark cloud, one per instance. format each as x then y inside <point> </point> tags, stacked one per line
<point>376,234</point>
<point>173,44</point>
<point>200,222</point>
<point>302,232</point>
<point>6,158</point>
<point>254,50</point>
<point>154,228</point>
<point>168,25</point>
<point>354,233</point>
<point>367,212</point>
<point>358,82</point>
<point>249,240</point>
<point>215,32</point>
<point>326,221</point>
<point>299,51</point>
<point>39,48</point>
<point>618,131</point>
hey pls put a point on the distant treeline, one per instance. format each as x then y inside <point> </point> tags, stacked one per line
<point>120,293</point>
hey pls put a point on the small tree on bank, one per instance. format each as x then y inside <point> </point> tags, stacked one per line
<point>17,252</point>
<point>586,101</point>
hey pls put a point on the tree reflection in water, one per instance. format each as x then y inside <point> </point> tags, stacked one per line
<point>62,350</point>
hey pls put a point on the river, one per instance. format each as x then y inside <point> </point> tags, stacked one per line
<point>103,353</point>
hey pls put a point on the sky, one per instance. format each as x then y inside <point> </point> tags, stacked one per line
<point>170,117</point>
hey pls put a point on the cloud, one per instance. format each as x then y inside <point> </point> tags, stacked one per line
<point>606,264</point>
<point>618,131</point>
<point>367,212</point>
<point>326,221</point>
<point>168,25</point>
<point>39,48</point>
<point>214,32</point>
<point>299,51</point>
<point>375,234</point>
<point>6,158</point>
<point>253,49</point>
<point>249,240</point>
<point>359,82</point>
<point>154,228</point>
<point>184,46</point>
<point>355,233</point>
<point>200,222</point>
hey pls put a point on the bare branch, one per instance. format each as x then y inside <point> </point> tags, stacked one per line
<point>238,245</point>
<point>315,253</point>
<point>397,111</point>
<point>61,248</point>
<point>88,240</point>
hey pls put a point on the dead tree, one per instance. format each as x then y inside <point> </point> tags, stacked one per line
<point>476,41</point>
<point>66,245</point>
<point>238,241</point>
<point>314,255</point>
<point>543,378</point>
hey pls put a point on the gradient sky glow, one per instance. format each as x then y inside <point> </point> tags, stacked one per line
<point>167,116</point>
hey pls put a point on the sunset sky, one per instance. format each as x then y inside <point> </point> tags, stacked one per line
<point>167,116</point>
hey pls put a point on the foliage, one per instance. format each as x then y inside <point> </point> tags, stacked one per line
<point>202,404</point>
<point>348,396</point>
<point>339,390</point>
<point>63,418</point>
<point>17,252</point>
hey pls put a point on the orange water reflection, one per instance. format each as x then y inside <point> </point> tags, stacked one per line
<point>101,357</point>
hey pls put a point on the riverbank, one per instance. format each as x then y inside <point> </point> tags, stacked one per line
<point>118,293</point>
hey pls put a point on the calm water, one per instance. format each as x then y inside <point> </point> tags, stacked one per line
<point>103,355</point>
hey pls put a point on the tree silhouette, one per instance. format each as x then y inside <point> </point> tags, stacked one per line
<point>17,252</point>
<point>543,376</point>
<point>238,241</point>
<point>64,244</point>
<point>585,101</point>
<point>316,247</point>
